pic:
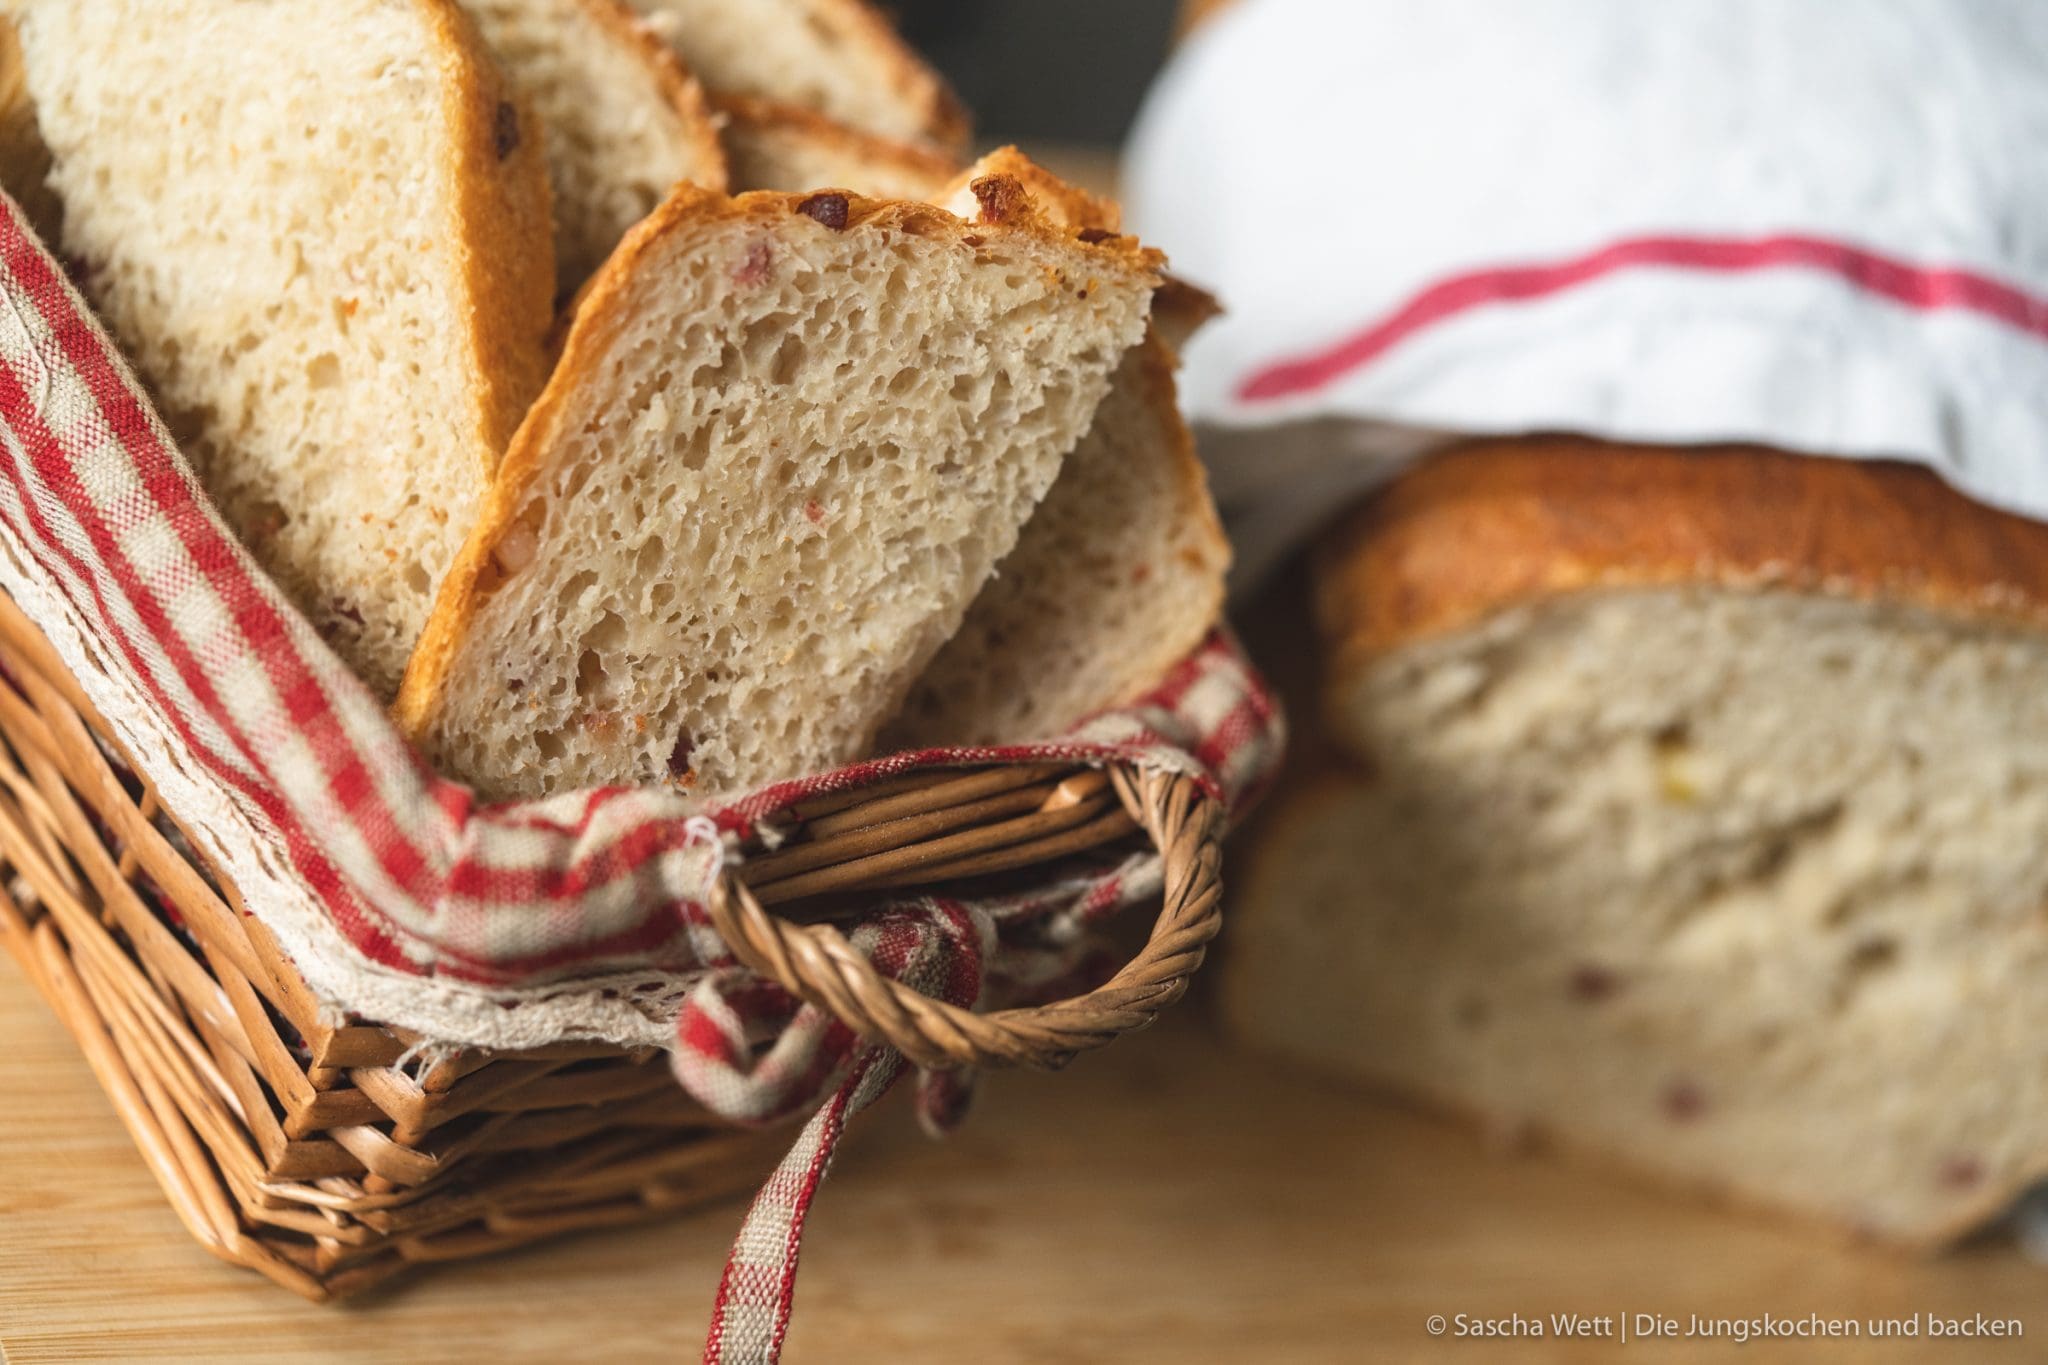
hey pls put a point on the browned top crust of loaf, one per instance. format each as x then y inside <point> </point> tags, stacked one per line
<point>600,311</point>
<point>1006,181</point>
<point>1497,523</point>
<point>677,85</point>
<point>910,160</point>
<point>501,174</point>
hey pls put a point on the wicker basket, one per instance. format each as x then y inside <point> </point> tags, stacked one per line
<point>318,1156</point>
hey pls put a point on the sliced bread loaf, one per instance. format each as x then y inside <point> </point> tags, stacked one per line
<point>624,119</point>
<point>775,146</point>
<point>838,57</point>
<point>1696,819</point>
<point>788,439</point>
<point>1119,573</point>
<point>325,245</point>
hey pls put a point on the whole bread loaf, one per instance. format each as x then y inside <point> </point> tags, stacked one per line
<point>839,57</point>
<point>326,247</point>
<point>624,119</point>
<point>1694,815</point>
<point>788,439</point>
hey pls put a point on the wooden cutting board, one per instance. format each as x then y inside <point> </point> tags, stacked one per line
<point>1164,1201</point>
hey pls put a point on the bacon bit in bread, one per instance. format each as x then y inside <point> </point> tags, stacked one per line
<point>268,521</point>
<point>816,513</point>
<point>1591,983</point>
<point>600,722</point>
<point>754,268</point>
<point>830,208</point>
<point>1001,198</point>
<point>1684,1101</point>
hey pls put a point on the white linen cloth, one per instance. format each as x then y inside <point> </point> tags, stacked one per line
<point>1817,225</point>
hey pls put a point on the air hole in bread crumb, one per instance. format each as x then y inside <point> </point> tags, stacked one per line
<point>1676,780</point>
<point>571,592</point>
<point>789,361</point>
<point>1872,954</point>
<point>607,633</point>
<point>679,758</point>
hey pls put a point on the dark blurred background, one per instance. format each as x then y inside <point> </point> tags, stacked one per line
<point>1044,70</point>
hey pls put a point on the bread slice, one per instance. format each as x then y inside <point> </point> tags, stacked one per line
<point>326,248</point>
<point>1117,577</point>
<point>1697,819</point>
<point>774,146</point>
<point>788,439</point>
<point>1120,572</point>
<point>625,120</point>
<point>838,57</point>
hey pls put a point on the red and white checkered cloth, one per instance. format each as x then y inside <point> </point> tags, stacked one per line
<point>108,544</point>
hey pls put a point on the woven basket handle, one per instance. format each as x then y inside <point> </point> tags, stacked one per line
<point>818,965</point>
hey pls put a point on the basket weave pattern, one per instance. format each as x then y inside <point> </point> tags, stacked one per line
<point>320,1156</point>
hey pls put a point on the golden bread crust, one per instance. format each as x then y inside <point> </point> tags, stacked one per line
<point>1497,523</point>
<point>501,180</point>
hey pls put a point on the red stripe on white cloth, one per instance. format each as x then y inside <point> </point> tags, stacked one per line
<point>1921,287</point>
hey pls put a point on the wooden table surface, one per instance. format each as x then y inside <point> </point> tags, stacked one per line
<point>1165,1201</point>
